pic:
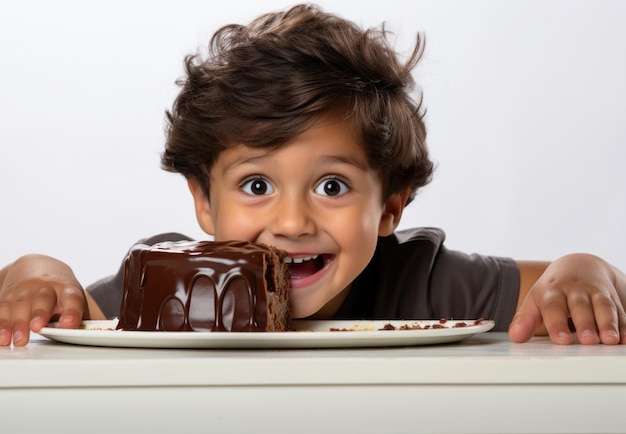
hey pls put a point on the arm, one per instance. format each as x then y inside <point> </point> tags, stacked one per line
<point>32,290</point>
<point>580,288</point>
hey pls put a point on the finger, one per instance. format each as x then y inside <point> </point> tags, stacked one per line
<point>525,322</point>
<point>555,313</point>
<point>583,317</point>
<point>21,333</point>
<point>606,318</point>
<point>621,317</point>
<point>622,326</point>
<point>6,330</point>
<point>21,312</point>
<point>71,300</point>
<point>43,305</point>
<point>5,333</point>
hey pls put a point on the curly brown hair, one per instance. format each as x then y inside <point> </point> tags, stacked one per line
<point>267,82</point>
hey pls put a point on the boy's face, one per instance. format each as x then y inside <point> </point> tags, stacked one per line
<point>315,197</point>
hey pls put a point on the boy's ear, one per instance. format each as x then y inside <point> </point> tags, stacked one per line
<point>202,205</point>
<point>394,206</point>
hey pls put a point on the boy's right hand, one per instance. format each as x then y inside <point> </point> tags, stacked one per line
<point>32,290</point>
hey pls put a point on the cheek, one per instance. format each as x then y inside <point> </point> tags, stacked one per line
<point>231,224</point>
<point>358,233</point>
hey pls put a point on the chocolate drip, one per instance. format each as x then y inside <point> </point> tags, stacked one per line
<point>199,286</point>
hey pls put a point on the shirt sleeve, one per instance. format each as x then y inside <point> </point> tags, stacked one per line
<point>107,292</point>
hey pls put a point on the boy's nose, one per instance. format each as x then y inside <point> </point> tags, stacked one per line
<point>292,218</point>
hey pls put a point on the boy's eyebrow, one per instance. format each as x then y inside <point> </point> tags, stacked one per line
<point>343,159</point>
<point>243,160</point>
<point>346,159</point>
<point>248,157</point>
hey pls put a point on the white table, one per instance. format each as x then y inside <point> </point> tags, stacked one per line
<point>483,384</point>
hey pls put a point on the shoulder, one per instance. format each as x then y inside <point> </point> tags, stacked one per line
<point>420,239</point>
<point>418,235</point>
<point>412,250</point>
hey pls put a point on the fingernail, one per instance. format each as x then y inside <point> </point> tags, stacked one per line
<point>67,320</point>
<point>563,335</point>
<point>611,335</point>
<point>18,335</point>
<point>5,336</point>
<point>588,334</point>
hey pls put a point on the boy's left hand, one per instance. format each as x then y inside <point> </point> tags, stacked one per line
<point>579,288</point>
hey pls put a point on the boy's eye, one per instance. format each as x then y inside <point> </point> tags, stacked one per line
<point>257,187</point>
<point>332,187</point>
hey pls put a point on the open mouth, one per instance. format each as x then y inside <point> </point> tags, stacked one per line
<point>300,268</point>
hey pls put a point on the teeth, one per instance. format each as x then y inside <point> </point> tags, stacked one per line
<point>290,260</point>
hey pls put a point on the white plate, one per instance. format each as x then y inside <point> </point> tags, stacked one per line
<point>308,334</point>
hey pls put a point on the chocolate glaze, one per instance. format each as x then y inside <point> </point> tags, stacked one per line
<point>204,286</point>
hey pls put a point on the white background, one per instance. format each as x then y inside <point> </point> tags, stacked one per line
<point>526,115</point>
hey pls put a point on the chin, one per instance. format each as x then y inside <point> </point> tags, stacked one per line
<point>297,313</point>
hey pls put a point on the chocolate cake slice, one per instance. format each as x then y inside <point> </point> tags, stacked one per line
<point>231,286</point>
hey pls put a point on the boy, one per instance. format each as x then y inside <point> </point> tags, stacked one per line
<point>298,131</point>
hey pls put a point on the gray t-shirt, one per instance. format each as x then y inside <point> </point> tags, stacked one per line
<point>411,276</point>
<point>414,276</point>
